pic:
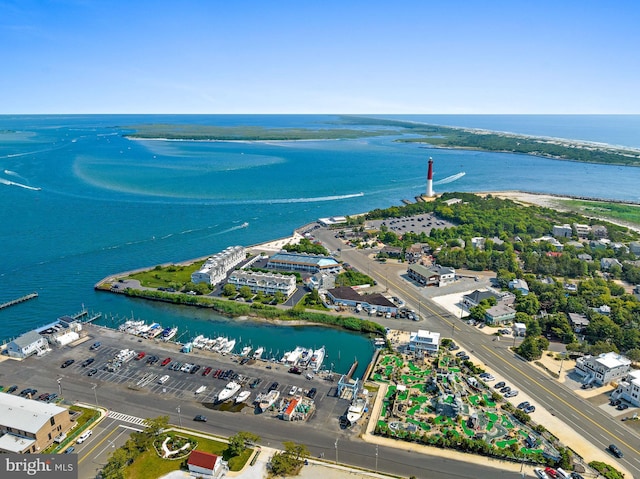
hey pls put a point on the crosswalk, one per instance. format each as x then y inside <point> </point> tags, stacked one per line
<point>118,416</point>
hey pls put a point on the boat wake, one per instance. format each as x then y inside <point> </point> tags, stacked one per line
<point>309,200</point>
<point>449,179</point>
<point>13,183</point>
<point>233,228</point>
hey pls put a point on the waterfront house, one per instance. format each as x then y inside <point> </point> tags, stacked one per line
<point>215,269</point>
<point>26,345</point>
<point>599,231</point>
<point>562,231</point>
<point>423,341</point>
<point>604,368</point>
<point>267,283</point>
<point>582,230</point>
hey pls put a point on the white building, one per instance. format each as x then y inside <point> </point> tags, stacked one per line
<point>629,388</point>
<point>562,231</point>
<point>582,230</point>
<point>215,269</point>
<point>423,341</point>
<point>604,368</point>
<point>205,465</point>
<point>26,345</point>
<point>268,283</point>
<point>519,329</point>
<point>432,275</point>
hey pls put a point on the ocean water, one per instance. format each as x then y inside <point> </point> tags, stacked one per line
<point>80,202</point>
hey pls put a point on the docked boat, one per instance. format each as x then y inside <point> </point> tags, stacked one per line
<point>292,357</point>
<point>305,358</point>
<point>258,353</point>
<point>316,359</point>
<point>243,396</point>
<point>169,333</point>
<point>267,401</point>
<point>228,347</point>
<point>245,351</point>
<point>356,410</point>
<point>229,390</point>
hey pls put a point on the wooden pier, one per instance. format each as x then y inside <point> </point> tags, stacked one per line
<point>19,300</point>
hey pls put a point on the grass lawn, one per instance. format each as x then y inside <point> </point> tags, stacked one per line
<point>474,399</point>
<point>403,395</point>
<point>414,368</point>
<point>412,410</point>
<point>506,423</point>
<point>490,403</point>
<point>423,425</point>
<point>390,391</point>
<point>166,275</point>
<point>150,464</point>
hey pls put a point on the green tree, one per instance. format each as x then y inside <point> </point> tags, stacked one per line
<point>229,290</point>
<point>238,442</point>
<point>290,461</point>
<point>154,427</point>
<point>245,292</point>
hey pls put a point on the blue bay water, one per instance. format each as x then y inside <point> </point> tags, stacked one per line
<point>80,202</point>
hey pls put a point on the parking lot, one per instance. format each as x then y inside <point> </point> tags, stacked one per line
<point>143,375</point>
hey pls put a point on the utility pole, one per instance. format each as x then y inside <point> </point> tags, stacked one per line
<point>376,458</point>
<point>95,394</point>
<point>179,415</point>
<point>336,444</point>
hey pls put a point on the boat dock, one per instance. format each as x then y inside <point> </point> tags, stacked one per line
<point>86,317</point>
<point>19,300</point>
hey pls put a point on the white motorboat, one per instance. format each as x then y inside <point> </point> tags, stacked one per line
<point>316,359</point>
<point>356,410</point>
<point>258,353</point>
<point>245,351</point>
<point>228,347</point>
<point>243,396</point>
<point>268,400</point>
<point>229,390</point>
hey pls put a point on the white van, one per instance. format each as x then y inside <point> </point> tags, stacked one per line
<point>563,474</point>
<point>163,379</point>
<point>84,437</point>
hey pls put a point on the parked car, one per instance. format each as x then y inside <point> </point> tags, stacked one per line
<point>274,386</point>
<point>505,389</point>
<point>194,369</point>
<point>530,409</point>
<point>207,370</point>
<point>622,407</point>
<point>551,472</point>
<point>12,389</point>
<point>540,473</point>
<point>312,393</point>
<point>92,372</point>
<point>464,357</point>
<point>615,450</point>
<point>52,397</point>
<point>511,394</point>
<point>200,418</point>
<point>141,355</point>
<point>460,353</point>
<point>500,385</point>
<point>67,363</point>
<point>615,402</point>
<point>255,383</point>
<point>95,345</point>
<point>524,405</point>
<point>88,361</point>
<point>165,361</point>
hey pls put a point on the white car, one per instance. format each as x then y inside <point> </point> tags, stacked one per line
<point>540,473</point>
<point>510,394</point>
<point>487,377</point>
<point>84,437</point>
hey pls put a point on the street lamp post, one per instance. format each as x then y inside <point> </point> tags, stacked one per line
<point>60,387</point>
<point>95,394</point>
<point>336,444</point>
<point>561,363</point>
<point>179,416</point>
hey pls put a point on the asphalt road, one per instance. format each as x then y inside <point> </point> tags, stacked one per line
<point>596,426</point>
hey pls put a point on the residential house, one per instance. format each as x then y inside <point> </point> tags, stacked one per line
<point>582,230</point>
<point>478,242</point>
<point>474,298</point>
<point>416,252</point>
<point>562,231</point>
<point>634,247</point>
<point>519,329</point>
<point>607,263</point>
<point>579,322</point>
<point>585,257</point>
<point>499,314</point>
<point>604,368</point>
<point>432,275</point>
<point>599,231</point>
<point>629,388</point>
<point>519,285</point>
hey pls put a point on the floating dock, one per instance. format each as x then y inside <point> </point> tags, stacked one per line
<point>19,300</point>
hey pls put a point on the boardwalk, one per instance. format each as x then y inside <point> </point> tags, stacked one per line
<point>18,300</point>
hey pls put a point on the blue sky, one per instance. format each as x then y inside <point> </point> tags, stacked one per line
<point>211,56</point>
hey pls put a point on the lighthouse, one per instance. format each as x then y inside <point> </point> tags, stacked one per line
<point>430,179</point>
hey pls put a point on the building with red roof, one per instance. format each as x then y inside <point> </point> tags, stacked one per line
<point>204,464</point>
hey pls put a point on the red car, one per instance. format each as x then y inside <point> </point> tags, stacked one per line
<point>140,355</point>
<point>551,472</point>
<point>165,362</point>
<point>206,371</point>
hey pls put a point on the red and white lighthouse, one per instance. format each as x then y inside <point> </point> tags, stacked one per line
<point>430,179</point>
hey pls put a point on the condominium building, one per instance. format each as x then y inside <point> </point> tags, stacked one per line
<point>604,368</point>
<point>215,269</point>
<point>267,283</point>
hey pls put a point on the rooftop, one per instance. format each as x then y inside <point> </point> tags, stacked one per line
<point>25,414</point>
<point>15,444</point>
